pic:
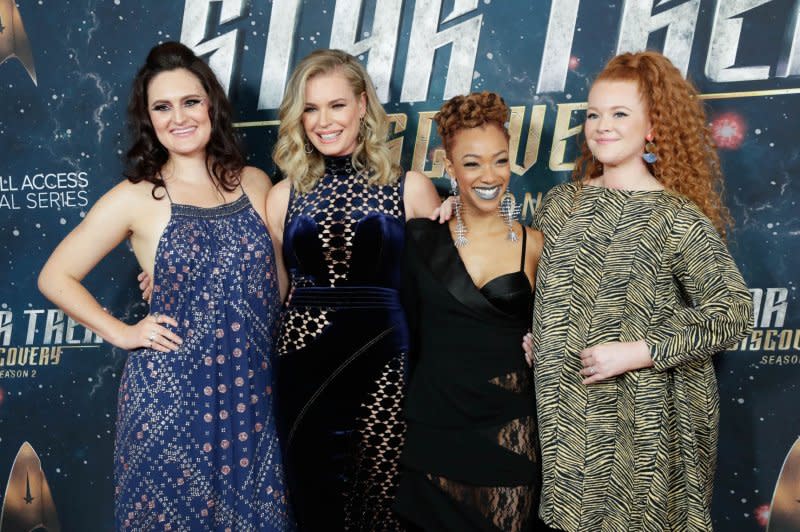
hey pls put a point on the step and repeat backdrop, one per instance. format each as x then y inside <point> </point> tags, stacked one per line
<point>65,73</point>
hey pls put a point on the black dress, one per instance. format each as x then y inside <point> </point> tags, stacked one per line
<point>470,459</point>
<point>343,352</point>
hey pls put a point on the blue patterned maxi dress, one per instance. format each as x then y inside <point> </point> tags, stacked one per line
<point>196,448</point>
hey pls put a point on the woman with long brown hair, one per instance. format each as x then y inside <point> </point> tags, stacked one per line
<point>196,445</point>
<point>635,292</point>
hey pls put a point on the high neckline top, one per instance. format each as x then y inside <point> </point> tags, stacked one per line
<point>339,165</point>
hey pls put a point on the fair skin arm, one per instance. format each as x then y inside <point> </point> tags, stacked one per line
<point>276,204</point>
<point>421,200</point>
<point>108,223</point>
<point>604,361</point>
<point>259,188</point>
<point>532,255</point>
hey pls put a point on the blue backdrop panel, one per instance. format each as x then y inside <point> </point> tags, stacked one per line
<point>65,73</point>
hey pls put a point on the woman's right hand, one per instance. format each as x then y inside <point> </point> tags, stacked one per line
<point>151,334</point>
<point>145,285</point>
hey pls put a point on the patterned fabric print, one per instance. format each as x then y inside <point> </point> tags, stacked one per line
<point>519,381</point>
<point>506,507</point>
<point>300,326</point>
<point>519,436</point>
<point>338,201</point>
<point>382,432</point>
<point>636,452</point>
<point>195,446</point>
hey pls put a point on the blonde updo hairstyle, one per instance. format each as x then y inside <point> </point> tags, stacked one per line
<point>477,109</point>
<point>371,156</point>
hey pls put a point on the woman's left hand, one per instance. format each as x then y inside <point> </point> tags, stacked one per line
<point>145,285</point>
<point>444,211</point>
<point>603,361</point>
<point>527,347</point>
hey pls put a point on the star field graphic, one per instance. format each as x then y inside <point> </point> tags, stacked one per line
<point>62,138</point>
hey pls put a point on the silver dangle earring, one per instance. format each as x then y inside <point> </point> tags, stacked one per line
<point>509,211</point>
<point>308,148</point>
<point>453,184</point>
<point>461,228</point>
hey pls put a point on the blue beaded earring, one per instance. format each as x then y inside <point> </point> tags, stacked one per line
<point>649,154</point>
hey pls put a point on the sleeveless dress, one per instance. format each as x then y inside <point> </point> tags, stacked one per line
<point>343,347</point>
<point>471,461</point>
<point>196,446</point>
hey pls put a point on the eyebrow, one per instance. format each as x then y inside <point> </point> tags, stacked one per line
<point>612,108</point>
<point>336,100</point>
<point>478,156</point>
<point>182,98</point>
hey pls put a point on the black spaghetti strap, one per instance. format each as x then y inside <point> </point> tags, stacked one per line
<point>164,186</point>
<point>524,243</point>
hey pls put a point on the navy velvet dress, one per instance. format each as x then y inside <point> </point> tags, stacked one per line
<point>343,348</point>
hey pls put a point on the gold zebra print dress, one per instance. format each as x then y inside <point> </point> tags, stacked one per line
<point>636,452</point>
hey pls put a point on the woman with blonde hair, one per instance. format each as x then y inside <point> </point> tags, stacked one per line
<point>635,293</point>
<point>338,219</point>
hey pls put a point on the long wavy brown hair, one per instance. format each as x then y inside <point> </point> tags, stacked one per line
<point>687,156</point>
<point>147,155</point>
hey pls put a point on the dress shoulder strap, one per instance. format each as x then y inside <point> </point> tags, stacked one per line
<point>524,244</point>
<point>164,186</point>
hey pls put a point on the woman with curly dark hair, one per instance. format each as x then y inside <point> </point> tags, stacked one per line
<point>196,445</point>
<point>635,293</point>
<point>470,458</point>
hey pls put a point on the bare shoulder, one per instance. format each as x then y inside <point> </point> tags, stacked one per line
<point>127,209</point>
<point>277,204</point>
<point>279,194</point>
<point>255,179</point>
<point>535,242</point>
<point>419,195</point>
<point>130,197</point>
<point>416,181</point>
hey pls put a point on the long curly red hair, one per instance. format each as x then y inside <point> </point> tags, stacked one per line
<point>687,157</point>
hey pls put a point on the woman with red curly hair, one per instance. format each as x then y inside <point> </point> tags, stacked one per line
<point>470,455</point>
<point>635,293</point>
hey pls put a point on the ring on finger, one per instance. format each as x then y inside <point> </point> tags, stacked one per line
<point>592,370</point>
<point>152,336</point>
<point>156,315</point>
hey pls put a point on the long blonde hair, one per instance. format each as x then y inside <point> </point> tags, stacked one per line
<point>371,156</point>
